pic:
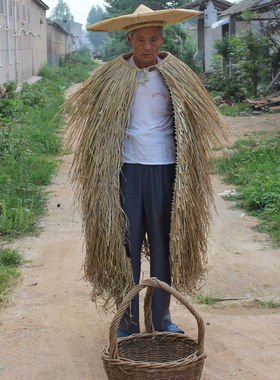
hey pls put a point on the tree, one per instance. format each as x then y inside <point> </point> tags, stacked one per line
<point>121,7</point>
<point>271,30</point>
<point>96,14</point>
<point>256,59</point>
<point>249,62</point>
<point>60,14</point>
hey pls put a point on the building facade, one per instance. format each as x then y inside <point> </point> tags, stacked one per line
<point>59,42</point>
<point>23,42</point>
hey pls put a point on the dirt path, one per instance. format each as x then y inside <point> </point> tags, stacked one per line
<point>51,330</point>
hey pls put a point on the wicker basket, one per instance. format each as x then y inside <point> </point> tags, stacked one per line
<point>154,355</point>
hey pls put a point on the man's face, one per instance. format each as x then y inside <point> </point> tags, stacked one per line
<point>146,43</point>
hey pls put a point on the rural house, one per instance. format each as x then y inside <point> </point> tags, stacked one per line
<point>28,39</point>
<point>59,42</point>
<point>23,42</point>
<point>206,36</point>
<point>219,17</point>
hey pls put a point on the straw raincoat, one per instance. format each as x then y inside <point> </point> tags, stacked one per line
<point>97,116</point>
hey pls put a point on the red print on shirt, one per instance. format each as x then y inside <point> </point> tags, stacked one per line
<point>159,93</point>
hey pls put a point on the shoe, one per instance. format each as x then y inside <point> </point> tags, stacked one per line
<point>121,334</point>
<point>173,329</point>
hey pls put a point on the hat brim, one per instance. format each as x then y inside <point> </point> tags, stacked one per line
<point>141,20</point>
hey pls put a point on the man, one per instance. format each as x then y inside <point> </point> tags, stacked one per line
<point>147,176</point>
<point>144,124</point>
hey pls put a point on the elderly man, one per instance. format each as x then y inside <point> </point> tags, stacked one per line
<point>144,124</point>
<point>147,176</point>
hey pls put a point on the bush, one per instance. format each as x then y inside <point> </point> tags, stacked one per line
<point>242,63</point>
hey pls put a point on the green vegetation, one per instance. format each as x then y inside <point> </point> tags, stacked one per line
<point>237,109</point>
<point>30,142</point>
<point>254,167</point>
<point>271,304</point>
<point>10,261</point>
<point>208,299</point>
<point>247,72</point>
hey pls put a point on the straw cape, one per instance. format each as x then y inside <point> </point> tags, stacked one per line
<point>97,116</point>
<point>142,17</point>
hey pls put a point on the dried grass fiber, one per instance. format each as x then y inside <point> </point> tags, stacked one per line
<point>97,115</point>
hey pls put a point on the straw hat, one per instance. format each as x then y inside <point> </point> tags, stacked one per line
<point>142,17</point>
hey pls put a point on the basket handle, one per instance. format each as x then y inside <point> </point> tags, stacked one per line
<point>152,283</point>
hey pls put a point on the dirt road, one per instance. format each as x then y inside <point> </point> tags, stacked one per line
<point>51,330</point>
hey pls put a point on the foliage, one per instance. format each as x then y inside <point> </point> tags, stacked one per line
<point>73,69</point>
<point>10,260</point>
<point>10,87</point>
<point>191,57</point>
<point>254,168</point>
<point>10,257</point>
<point>121,7</point>
<point>271,303</point>
<point>223,46</point>
<point>208,299</point>
<point>96,14</point>
<point>61,12</point>
<point>10,107</point>
<point>30,142</point>
<point>237,109</point>
<point>254,64</point>
<point>116,46</point>
<point>249,64</point>
<point>271,30</point>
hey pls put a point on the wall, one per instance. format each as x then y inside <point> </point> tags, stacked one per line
<point>23,47</point>
<point>59,42</point>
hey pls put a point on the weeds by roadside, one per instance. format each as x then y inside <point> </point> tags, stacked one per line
<point>209,299</point>
<point>253,166</point>
<point>30,143</point>
<point>270,304</point>
<point>10,261</point>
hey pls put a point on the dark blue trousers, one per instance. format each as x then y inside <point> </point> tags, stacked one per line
<point>146,197</point>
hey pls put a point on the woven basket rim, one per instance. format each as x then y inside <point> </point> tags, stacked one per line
<point>191,359</point>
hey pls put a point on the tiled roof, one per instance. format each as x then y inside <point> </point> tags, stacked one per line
<point>250,5</point>
<point>219,4</point>
<point>43,5</point>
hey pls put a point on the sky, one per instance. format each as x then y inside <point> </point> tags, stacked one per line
<point>79,8</point>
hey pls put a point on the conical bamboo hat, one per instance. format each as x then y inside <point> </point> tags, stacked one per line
<point>142,17</point>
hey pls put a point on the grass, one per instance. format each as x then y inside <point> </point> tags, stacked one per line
<point>271,304</point>
<point>254,168</point>
<point>209,299</point>
<point>237,109</point>
<point>30,143</point>
<point>10,261</point>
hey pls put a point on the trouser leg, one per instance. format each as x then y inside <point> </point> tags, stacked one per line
<point>132,205</point>
<point>158,193</point>
<point>146,193</point>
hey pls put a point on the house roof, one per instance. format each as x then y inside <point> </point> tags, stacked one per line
<point>251,5</point>
<point>43,5</point>
<point>202,4</point>
<point>51,22</point>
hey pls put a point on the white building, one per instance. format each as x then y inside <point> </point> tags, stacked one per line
<point>23,42</point>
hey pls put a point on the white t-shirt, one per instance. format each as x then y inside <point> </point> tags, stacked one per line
<point>149,139</point>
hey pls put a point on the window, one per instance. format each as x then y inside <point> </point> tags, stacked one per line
<point>23,12</point>
<point>1,6</point>
<point>10,8</point>
<point>28,15</point>
<point>17,7</point>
